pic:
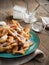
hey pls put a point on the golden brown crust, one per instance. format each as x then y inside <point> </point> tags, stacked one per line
<point>14,38</point>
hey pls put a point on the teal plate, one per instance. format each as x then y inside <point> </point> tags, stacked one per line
<point>34,38</point>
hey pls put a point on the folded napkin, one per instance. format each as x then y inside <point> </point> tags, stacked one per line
<point>38,55</point>
<point>45,21</point>
<point>22,13</point>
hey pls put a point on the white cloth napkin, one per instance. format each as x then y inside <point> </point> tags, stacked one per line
<point>22,13</point>
<point>38,55</point>
<point>18,12</point>
<point>45,21</point>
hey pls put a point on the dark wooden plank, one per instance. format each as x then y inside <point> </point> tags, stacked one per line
<point>42,12</point>
<point>5,4</point>
<point>44,4</point>
<point>19,2</point>
<point>38,63</point>
<point>32,5</point>
<point>5,8</point>
<point>47,61</point>
<point>44,45</point>
<point>44,42</point>
<point>29,63</point>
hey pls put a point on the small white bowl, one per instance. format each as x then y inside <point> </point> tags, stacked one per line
<point>37,26</point>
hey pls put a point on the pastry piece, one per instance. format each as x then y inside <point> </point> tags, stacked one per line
<point>3,38</point>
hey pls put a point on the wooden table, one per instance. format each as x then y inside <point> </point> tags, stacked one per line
<point>42,10</point>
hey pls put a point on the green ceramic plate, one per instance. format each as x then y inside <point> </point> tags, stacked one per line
<point>34,38</point>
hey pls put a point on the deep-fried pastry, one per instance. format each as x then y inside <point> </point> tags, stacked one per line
<point>14,38</point>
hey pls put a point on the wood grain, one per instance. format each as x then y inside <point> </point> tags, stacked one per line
<point>43,10</point>
<point>44,4</point>
<point>32,5</point>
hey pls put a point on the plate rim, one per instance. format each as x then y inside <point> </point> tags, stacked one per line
<point>26,51</point>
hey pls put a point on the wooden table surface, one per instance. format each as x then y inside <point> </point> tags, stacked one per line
<point>42,10</point>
